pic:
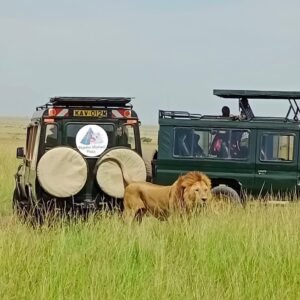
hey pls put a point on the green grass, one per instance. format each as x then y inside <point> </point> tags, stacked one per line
<point>241,254</point>
<point>12,135</point>
<point>252,254</point>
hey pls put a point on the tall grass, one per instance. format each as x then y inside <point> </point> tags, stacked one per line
<point>250,253</point>
<point>8,167</point>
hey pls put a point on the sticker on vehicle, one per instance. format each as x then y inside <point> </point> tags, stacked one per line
<point>91,140</point>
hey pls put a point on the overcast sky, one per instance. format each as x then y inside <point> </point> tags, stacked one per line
<point>168,54</point>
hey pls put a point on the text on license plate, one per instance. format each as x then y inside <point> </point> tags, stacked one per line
<point>89,113</point>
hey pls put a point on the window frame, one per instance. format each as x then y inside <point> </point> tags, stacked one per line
<point>133,128</point>
<point>45,135</point>
<point>32,131</point>
<point>279,133</point>
<point>209,130</point>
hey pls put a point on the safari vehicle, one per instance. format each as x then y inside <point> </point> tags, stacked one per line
<point>241,154</point>
<point>66,140</point>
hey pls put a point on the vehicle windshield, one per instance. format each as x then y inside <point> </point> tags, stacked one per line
<point>122,135</point>
<point>73,128</point>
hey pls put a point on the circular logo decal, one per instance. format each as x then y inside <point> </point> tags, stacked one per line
<point>91,140</point>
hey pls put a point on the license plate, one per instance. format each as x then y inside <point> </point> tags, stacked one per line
<point>89,113</point>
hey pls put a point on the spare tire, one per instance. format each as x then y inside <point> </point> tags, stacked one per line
<point>118,167</point>
<point>62,172</point>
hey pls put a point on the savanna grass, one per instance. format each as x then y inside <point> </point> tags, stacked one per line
<point>244,254</point>
<point>250,253</point>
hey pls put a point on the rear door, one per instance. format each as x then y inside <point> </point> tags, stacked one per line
<point>276,161</point>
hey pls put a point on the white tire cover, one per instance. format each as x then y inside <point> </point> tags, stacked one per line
<point>62,172</point>
<point>115,167</point>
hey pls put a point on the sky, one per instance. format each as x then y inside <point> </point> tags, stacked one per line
<point>167,54</point>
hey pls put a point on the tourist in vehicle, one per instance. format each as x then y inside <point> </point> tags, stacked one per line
<point>219,145</point>
<point>225,112</point>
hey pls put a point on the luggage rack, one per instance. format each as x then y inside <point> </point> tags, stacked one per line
<point>294,108</point>
<point>87,102</point>
<point>167,114</point>
<point>244,95</point>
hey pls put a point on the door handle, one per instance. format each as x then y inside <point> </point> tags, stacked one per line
<point>261,172</point>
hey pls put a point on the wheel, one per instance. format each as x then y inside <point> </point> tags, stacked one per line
<point>225,197</point>
<point>25,211</point>
<point>226,192</point>
<point>148,169</point>
<point>20,206</point>
<point>148,164</point>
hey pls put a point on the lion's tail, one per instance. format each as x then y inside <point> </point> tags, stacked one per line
<point>126,177</point>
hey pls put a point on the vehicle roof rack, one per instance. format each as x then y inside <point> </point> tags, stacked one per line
<point>244,95</point>
<point>167,114</point>
<point>90,101</point>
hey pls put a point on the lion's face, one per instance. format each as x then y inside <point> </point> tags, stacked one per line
<point>196,194</point>
<point>195,189</point>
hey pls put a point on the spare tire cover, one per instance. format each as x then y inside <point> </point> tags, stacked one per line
<point>116,166</point>
<point>62,172</point>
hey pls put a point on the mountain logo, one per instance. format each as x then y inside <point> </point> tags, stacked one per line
<point>91,140</point>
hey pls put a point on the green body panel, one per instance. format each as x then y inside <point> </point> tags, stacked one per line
<point>252,175</point>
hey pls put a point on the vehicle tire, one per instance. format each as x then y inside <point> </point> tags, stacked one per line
<point>62,172</point>
<point>148,169</point>
<point>148,164</point>
<point>226,191</point>
<point>118,167</point>
<point>20,207</point>
<point>26,212</point>
<point>224,198</point>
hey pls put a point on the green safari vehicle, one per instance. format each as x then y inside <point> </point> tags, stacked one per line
<point>245,154</point>
<point>74,148</point>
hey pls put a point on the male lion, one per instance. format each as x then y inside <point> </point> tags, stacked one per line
<point>183,195</point>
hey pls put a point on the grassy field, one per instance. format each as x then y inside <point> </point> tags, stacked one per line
<point>250,253</point>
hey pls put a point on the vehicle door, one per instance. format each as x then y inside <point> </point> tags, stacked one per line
<point>276,161</point>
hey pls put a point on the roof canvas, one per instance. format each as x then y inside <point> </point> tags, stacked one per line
<point>255,94</point>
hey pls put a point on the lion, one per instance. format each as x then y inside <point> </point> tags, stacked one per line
<point>187,192</point>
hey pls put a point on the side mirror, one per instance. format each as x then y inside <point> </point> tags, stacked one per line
<point>20,153</point>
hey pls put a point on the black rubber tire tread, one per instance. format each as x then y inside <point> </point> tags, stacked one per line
<point>228,192</point>
<point>21,210</point>
<point>148,168</point>
<point>148,164</point>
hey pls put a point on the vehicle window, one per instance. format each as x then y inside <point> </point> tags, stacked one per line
<point>276,147</point>
<point>73,128</point>
<point>219,144</point>
<point>216,143</point>
<point>28,141</point>
<point>31,136</point>
<point>239,144</point>
<point>183,140</point>
<point>51,136</point>
<point>126,136</point>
